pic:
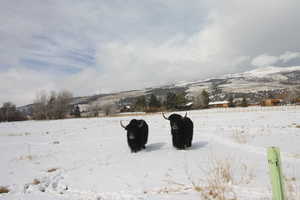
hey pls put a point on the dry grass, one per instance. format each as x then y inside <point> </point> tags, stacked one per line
<point>19,134</point>
<point>292,189</point>
<point>239,136</point>
<point>172,187</point>
<point>220,181</point>
<point>36,181</point>
<point>4,190</point>
<point>27,157</point>
<point>167,190</point>
<point>218,185</point>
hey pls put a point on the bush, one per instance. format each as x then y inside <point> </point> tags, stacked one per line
<point>154,102</point>
<point>3,190</point>
<point>8,112</point>
<point>220,181</point>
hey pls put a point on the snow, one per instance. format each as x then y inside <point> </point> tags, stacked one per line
<point>260,72</point>
<point>218,102</point>
<point>189,104</point>
<point>89,158</point>
<point>264,72</point>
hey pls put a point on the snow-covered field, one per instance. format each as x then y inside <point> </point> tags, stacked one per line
<point>89,158</point>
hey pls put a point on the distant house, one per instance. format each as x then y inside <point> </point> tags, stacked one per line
<point>271,102</point>
<point>83,107</point>
<point>219,104</point>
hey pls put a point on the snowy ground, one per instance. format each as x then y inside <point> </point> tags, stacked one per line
<point>89,158</point>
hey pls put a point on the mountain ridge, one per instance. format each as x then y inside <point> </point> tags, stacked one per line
<point>254,84</point>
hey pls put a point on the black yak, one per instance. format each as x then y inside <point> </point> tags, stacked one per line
<point>181,130</point>
<point>137,134</point>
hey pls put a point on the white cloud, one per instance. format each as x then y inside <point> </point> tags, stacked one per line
<point>109,45</point>
<point>264,60</point>
<point>288,56</point>
<point>20,85</point>
<point>268,60</point>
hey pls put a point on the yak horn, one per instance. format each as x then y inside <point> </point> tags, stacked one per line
<point>164,116</point>
<point>122,124</point>
<point>185,114</point>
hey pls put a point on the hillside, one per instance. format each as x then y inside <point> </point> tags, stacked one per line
<point>255,84</point>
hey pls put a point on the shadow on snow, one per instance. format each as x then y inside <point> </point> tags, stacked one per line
<point>154,146</point>
<point>198,145</point>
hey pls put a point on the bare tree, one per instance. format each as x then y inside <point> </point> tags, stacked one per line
<point>62,104</point>
<point>95,110</point>
<point>53,106</point>
<point>40,110</point>
<point>109,109</point>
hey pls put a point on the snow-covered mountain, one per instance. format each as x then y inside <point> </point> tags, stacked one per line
<point>256,83</point>
<point>261,80</point>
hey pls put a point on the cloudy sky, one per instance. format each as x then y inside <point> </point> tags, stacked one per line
<point>97,46</point>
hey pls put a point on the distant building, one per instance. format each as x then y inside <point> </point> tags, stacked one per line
<point>83,107</point>
<point>297,102</point>
<point>271,102</point>
<point>218,104</point>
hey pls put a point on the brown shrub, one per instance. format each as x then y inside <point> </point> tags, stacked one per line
<point>52,170</point>
<point>36,181</point>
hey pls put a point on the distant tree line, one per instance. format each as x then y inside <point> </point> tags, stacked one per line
<point>52,106</point>
<point>9,112</point>
<point>172,101</point>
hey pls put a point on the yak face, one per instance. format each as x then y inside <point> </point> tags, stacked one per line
<point>176,122</point>
<point>131,135</point>
<point>181,130</point>
<point>137,134</point>
<point>133,128</point>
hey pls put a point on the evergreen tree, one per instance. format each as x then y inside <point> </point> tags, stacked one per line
<point>140,103</point>
<point>9,112</point>
<point>154,102</point>
<point>180,99</point>
<point>230,100</point>
<point>244,102</point>
<point>171,100</point>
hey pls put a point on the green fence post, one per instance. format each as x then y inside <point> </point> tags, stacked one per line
<point>274,162</point>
